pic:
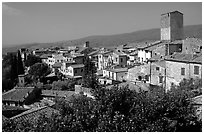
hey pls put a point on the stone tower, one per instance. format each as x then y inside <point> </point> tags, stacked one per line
<point>172,26</point>
<point>21,80</point>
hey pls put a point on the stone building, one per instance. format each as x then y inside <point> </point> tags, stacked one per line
<point>172,26</point>
<point>180,66</point>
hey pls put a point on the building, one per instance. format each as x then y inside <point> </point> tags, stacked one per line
<point>180,66</point>
<point>118,74</point>
<point>139,73</point>
<point>74,70</point>
<point>119,58</point>
<point>157,73</point>
<point>172,26</point>
<point>33,114</point>
<point>52,94</point>
<point>104,60</point>
<point>20,96</point>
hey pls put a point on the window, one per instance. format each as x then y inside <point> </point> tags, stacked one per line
<point>147,77</point>
<point>182,71</point>
<point>116,59</point>
<point>75,71</point>
<point>121,60</point>
<point>157,68</point>
<point>81,70</point>
<point>160,79</point>
<point>196,70</point>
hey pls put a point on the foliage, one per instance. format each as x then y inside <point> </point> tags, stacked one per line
<point>20,67</point>
<point>39,71</point>
<point>89,77</point>
<point>64,85</point>
<point>31,60</point>
<point>9,71</point>
<point>121,110</point>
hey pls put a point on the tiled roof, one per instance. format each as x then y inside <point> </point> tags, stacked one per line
<point>77,66</point>
<point>117,70</point>
<point>57,64</point>
<point>120,53</point>
<point>136,87</point>
<point>94,52</point>
<point>180,57</point>
<point>160,63</point>
<point>45,56</point>
<point>156,58</point>
<point>17,94</point>
<point>6,108</point>
<point>51,75</point>
<point>54,93</point>
<point>197,100</point>
<point>32,114</point>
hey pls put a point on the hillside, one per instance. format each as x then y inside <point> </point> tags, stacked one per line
<point>113,40</point>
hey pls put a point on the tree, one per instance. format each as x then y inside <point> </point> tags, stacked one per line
<point>39,71</point>
<point>31,60</point>
<point>119,110</point>
<point>20,68</point>
<point>67,85</point>
<point>89,78</point>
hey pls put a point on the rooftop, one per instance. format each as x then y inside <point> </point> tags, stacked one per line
<point>77,66</point>
<point>17,94</point>
<point>54,93</point>
<point>35,113</point>
<point>57,64</point>
<point>180,57</point>
<point>197,100</point>
<point>117,70</point>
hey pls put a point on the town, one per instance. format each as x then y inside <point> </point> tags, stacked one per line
<point>46,76</point>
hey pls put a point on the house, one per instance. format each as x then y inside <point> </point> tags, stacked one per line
<point>180,66</point>
<point>84,90</point>
<point>119,58</point>
<point>118,74</point>
<point>20,96</point>
<point>74,70</point>
<point>197,104</point>
<point>158,73</point>
<point>10,111</point>
<point>85,49</point>
<point>139,73</point>
<point>138,87</point>
<point>104,59</point>
<point>52,94</point>
<point>33,114</point>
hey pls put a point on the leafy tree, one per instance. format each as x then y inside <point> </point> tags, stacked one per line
<point>31,60</point>
<point>64,85</point>
<point>39,71</point>
<point>119,110</point>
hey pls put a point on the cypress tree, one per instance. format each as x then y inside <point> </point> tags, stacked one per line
<point>13,74</point>
<point>20,68</point>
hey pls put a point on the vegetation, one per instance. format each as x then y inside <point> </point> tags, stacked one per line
<point>89,78</point>
<point>64,85</point>
<point>12,66</point>
<point>38,71</point>
<point>119,110</point>
<point>31,60</point>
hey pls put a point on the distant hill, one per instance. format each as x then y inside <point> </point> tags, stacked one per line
<point>113,40</point>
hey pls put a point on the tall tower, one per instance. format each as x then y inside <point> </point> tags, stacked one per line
<point>172,26</point>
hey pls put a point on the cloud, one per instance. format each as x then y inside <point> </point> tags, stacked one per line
<point>7,10</point>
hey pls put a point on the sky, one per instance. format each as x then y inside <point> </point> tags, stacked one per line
<point>50,22</point>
